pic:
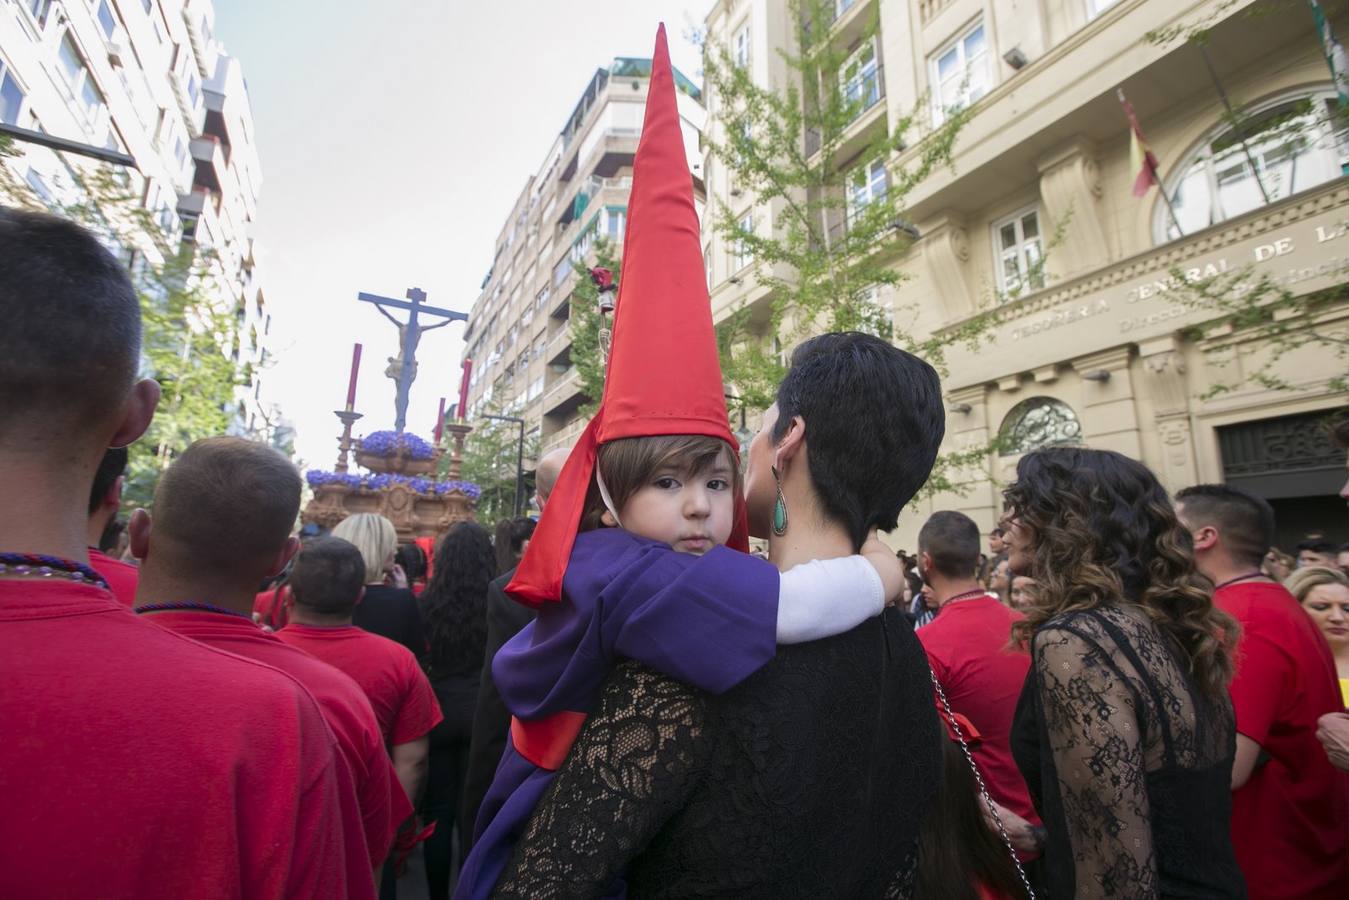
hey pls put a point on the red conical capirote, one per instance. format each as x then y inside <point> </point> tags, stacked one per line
<point>663,375</point>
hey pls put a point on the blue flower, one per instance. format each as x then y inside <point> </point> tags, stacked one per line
<point>391,443</point>
<point>319,477</point>
<point>468,488</point>
<point>415,483</point>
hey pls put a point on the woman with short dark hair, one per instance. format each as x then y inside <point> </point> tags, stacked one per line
<point>1124,731</point>
<point>813,776</point>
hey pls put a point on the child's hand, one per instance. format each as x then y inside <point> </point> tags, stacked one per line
<point>887,565</point>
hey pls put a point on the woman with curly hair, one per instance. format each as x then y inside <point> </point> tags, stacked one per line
<point>455,608</point>
<point>1124,731</point>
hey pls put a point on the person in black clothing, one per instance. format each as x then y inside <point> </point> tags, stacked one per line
<point>411,559</point>
<point>505,618</point>
<point>454,606</point>
<point>511,537</point>
<point>812,777</point>
<point>388,608</point>
<point>1124,730</point>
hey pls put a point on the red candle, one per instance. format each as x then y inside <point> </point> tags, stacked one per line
<point>463,388</point>
<point>355,369</point>
<point>440,419</point>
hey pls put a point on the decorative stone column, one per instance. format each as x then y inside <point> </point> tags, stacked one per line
<point>968,427</point>
<point>1166,384</point>
<point>946,251</point>
<point>1070,189</point>
<point>1109,415</point>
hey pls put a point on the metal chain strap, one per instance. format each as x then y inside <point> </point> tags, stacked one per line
<point>979,779</point>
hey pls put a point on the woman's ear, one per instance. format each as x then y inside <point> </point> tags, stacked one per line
<point>607,519</point>
<point>792,442</point>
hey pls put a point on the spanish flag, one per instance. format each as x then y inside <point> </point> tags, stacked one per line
<point>1143,163</point>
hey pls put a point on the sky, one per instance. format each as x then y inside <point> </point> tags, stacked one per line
<point>394,138</point>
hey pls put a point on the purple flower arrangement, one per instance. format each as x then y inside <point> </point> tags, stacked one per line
<point>416,484</point>
<point>390,443</point>
<point>471,490</point>
<point>317,477</point>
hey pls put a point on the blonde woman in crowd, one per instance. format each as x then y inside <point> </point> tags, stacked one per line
<point>1324,594</point>
<point>388,608</point>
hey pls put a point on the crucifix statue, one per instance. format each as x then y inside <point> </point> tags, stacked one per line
<point>403,367</point>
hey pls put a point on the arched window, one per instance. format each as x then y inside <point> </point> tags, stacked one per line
<point>1038,422</point>
<point>1286,146</point>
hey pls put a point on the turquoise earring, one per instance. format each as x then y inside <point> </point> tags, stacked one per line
<point>779,507</point>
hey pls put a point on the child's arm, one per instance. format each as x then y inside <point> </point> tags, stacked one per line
<point>825,597</point>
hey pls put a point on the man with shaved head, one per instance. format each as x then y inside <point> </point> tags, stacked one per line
<point>153,753</point>
<point>221,523</point>
<point>505,617</point>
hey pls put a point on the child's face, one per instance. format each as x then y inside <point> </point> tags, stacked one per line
<point>692,512</point>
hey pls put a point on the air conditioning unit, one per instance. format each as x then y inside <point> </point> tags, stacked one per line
<point>116,53</point>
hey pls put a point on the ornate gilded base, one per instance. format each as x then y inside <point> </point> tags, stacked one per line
<point>413,515</point>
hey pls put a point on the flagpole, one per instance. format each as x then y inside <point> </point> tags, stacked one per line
<point>1166,198</point>
<point>1232,115</point>
<point>1151,164</point>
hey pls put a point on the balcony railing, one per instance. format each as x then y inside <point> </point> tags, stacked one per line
<point>557,342</point>
<point>927,9</point>
<point>565,436</point>
<point>567,386</point>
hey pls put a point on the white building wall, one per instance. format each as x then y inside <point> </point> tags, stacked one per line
<point>142,77</point>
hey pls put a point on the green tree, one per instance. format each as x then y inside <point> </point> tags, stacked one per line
<point>836,243</point>
<point>490,453</point>
<point>1260,310</point>
<point>585,325</point>
<point>190,331</point>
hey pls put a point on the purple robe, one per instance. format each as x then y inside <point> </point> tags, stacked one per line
<point>709,621</point>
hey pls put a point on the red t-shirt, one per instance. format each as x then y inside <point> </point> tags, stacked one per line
<point>384,805</point>
<point>175,769</point>
<point>398,689</point>
<point>121,576</point>
<point>968,648</point>
<point>1290,821</point>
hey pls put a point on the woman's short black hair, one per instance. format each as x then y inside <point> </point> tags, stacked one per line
<point>874,421</point>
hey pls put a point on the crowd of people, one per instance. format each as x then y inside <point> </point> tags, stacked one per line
<point>1121,693</point>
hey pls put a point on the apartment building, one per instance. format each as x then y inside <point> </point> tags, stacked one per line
<point>1037,219</point>
<point>519,329</point>
<point>146,78</point>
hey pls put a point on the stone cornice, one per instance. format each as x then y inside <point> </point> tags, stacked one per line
<point>1163,258</point>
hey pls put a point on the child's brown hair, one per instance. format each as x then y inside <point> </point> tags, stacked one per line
<point>628,464</point>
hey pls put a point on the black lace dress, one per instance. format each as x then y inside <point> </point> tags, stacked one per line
<point>1129,765</point>
<point>810,779</point>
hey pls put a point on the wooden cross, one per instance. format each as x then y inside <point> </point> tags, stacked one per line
<point>410,335</point>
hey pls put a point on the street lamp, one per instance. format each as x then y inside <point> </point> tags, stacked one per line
<point>519,457</point>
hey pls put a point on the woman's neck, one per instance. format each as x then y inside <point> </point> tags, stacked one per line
<point>806,541</point>
<point>1341,652</point>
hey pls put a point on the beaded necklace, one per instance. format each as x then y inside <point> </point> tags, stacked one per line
<point>190,606</point>
<point>39,565</point>
<point>968,595</point>
<point>1245,577</point>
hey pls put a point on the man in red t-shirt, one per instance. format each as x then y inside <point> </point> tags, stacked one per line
<point>1290,806</point>
<point>222,517</point>
<point>327,580</point>
<point>134,763</point>
<point>969,648</point>
<point>105,499</point>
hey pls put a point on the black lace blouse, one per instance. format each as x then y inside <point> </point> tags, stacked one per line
<point>1128,764</point>
<point>810,779</point>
